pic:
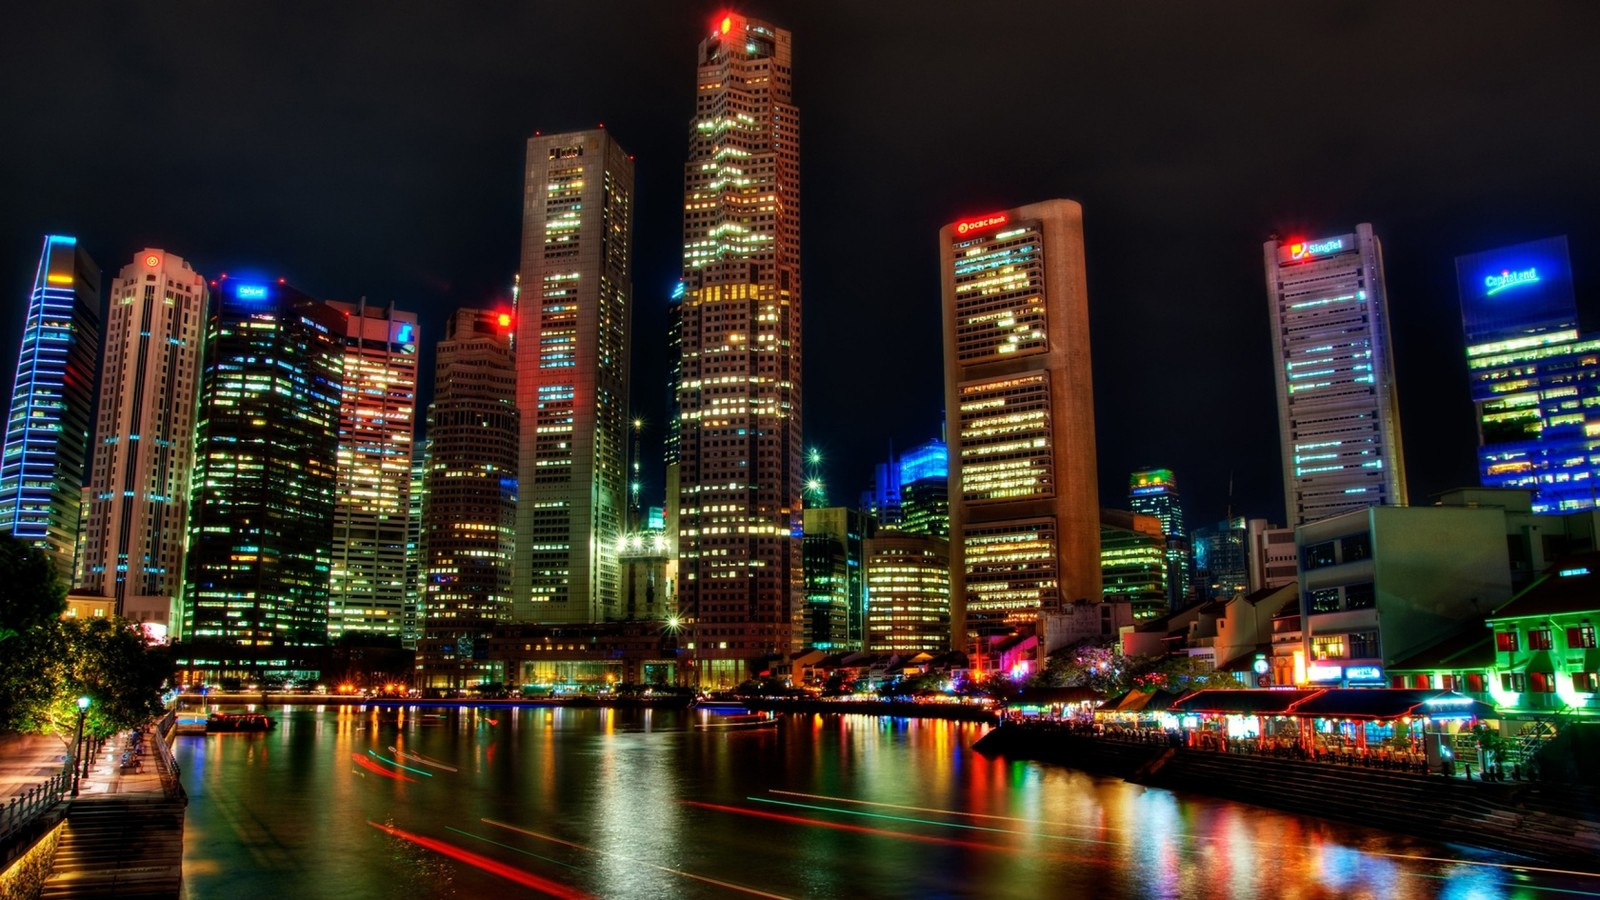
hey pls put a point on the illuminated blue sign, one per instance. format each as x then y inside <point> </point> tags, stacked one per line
<point>1509,279</point>
<point>251,292</point>
<point>405,333</point>
<point>678,290</point>
<point>1364,673</point>
<point>1511,293</point>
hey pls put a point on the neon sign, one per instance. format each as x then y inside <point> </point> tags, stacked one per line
<point>152,261</point>
<point>1304,249</point>
<point>1324,673</point>
<point>251,292</point>
<point>404,334</point>
<point>1508,279</point>
<point>982,222</point>
<point>1364,673</point>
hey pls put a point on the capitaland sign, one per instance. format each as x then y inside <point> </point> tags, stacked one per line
<point>969,226</point>
<point>1508,279</point>
<point>1308,249</point>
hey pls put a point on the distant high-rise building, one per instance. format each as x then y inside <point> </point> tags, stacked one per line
<point>1133,561</point>
<point>411,616</point>
<point>738,394</point>
<point>1154,492</point>
<point>1024,500</point>
<point>833,616</point>
<point>52,405</point>
<point>377,420</point>
<point>136,528</point>
<point>1535,379</point>
<point>1221,559</point>
<point>469,515</point>
<point>925,490</point>
<point>261,517</point>
<point>572,346</point>
<point>1338,416</point>
<point>908,593</point>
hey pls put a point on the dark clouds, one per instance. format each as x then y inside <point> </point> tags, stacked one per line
<point>375,149</point>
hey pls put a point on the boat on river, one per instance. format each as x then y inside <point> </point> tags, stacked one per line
<point>221,723</point>
<point>739,720</point>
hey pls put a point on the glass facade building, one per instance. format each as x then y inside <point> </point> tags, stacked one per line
<point>261,519</point>
<point>833,616</point>
<point>377,420</point>
<point>1535,378</point>
<point>1133,561</point>
<point>1338,416</point>
<point>137,499</point>
<point>52,404</point>
<point>1024,502</point>
<point>740,468</point>
<point>469,514</point>
<point>572,348</point>
<point>1154,492</point>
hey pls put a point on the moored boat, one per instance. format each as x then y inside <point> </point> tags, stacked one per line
<point>229,722</point>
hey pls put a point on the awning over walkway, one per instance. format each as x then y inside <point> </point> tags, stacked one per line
<point>1140,701</point>
<point>1338,703</point>
<point>1243,703</point>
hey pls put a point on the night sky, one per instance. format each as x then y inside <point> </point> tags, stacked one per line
<point>376,149</point>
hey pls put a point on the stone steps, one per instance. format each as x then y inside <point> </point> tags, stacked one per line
<point>119,846</point>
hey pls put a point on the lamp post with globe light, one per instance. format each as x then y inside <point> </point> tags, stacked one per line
<point>77,745</point>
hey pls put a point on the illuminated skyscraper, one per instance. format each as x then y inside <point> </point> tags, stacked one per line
<point>1338,418</point>
<point>572,346</point>
<point>908,593</point>
<point>1154,492</point>
<point>1024,500</point>
<point>470,511</point>
<point>261,519</point>
<point>52,404</point>
<point>1133,561</point>
<point>924,474</point>
<point>411,616</point>
<point>739,426</point>
<point>1535,379</point>
<point>377,414</point>
<point>136,528</point>
<point>833,616</point>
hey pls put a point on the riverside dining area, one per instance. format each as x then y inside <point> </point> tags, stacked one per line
<point>1406,730</point>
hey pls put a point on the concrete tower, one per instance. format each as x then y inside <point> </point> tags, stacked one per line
<point>1024,501</point>
<point>738,341</point>
<point>572,345</point>
<point>136,529</point>
<point>1338,416</point>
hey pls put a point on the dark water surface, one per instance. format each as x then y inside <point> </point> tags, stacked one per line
<point>642,804</point>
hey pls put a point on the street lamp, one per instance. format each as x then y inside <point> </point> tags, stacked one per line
<point>77,744</point>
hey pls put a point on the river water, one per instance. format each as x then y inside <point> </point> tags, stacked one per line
<point>545,801</point>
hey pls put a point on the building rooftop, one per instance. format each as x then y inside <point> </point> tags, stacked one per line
<point>1569,586</point>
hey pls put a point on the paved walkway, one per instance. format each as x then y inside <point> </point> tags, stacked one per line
<point>28,759</point>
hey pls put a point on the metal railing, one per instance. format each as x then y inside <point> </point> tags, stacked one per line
<point>29,805</point>
<point>166,764</point>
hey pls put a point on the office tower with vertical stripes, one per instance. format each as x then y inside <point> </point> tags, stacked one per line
<point>1338,415</point>
<point>137,497</point>
<point>52,405</point>
<point>377,415</point>
<point>1024,496</point>
<point>739,350</point>
<point>575,299</point>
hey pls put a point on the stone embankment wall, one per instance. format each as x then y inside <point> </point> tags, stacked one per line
<point>1540,821</point>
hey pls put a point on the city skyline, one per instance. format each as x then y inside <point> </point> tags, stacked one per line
<point>1155,208</point>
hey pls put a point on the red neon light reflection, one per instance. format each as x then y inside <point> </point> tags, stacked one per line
<point>494,867</point>
<point>967,226</point>
<point>371,766</point>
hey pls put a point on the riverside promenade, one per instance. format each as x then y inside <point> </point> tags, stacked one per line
<point>122,836</point>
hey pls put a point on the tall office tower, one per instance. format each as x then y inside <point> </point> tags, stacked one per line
<point>572,347</point>
<point>377,415</point>
<point>261,514</point>
<point>1535,379</point>
<point>1024,496</point>
<point>739,425</point>
<point>411,615</point>
<point>908,589</point>
<point>469,517</point>
<point>925,490</point>
<point>833,615</point>
<point>1154,492</point>
<point>136,527</point>
<point>1338,419</point>
<point>1133,561</point>
<point>52,404</point>
<point>1222,559</point>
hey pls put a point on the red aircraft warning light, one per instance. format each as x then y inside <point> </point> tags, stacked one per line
<point>727,24</point>
<point>505,320</point>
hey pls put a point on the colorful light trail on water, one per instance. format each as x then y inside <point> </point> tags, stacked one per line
<point>492,866</point>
